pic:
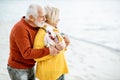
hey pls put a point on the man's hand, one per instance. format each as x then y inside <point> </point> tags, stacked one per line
<point>53,50</point>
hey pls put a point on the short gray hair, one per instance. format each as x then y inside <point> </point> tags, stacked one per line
<point>33,10</point>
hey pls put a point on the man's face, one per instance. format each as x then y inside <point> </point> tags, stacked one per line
<point>39,21</point>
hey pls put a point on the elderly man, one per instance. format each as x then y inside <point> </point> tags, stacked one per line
<point>20,63</point>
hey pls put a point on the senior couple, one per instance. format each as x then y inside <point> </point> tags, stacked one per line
<point>35,39</point>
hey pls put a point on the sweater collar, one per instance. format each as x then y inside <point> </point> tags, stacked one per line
<point>23,19</point>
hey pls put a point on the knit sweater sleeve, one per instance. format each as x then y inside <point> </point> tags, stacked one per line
<point>22,39</point>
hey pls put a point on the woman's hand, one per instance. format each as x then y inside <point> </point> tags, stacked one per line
<point>59,46</point>
<point>66,39</point>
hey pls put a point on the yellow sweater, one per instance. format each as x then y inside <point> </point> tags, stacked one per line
<point>49,67</point>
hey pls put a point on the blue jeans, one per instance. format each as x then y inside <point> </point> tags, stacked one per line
<point>21,74</point>
<point>61,77</point>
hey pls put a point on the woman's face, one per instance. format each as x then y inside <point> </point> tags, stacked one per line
<point>56,22</point>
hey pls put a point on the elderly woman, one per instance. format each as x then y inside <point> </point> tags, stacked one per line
<point>51,67</point>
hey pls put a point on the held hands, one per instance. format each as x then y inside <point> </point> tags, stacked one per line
<point>60,46</point>
<point>54,50</point>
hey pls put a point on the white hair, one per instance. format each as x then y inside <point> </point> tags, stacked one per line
<point>52,14</point>
<point>33,10</point>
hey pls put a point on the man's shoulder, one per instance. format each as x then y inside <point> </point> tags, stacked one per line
<point>19,27</point>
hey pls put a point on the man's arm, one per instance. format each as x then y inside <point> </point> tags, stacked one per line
<point>23,42</point>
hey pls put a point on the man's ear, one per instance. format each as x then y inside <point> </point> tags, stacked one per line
<point>32,19</point>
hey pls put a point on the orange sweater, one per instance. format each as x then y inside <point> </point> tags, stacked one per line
<point>21,46</point>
